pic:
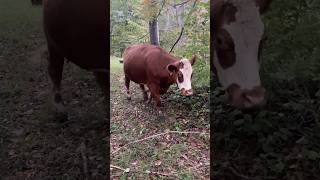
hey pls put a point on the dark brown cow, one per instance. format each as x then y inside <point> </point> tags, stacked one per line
<point>237,35</point>
<point>152,66</point>
<point>76,30</point>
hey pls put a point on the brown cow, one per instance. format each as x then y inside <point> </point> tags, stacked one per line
<point>152,66</point>
<point>237,38</point>
<point>76,30</point>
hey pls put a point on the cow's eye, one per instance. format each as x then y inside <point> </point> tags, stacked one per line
<point>180,77</point>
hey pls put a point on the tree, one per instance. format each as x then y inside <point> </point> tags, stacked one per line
<point>152,11</point>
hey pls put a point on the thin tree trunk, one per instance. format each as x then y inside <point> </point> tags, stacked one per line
<point>154,32</point>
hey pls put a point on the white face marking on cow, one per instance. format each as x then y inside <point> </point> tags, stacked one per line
<point>246,32</point>
<point>186,72</point>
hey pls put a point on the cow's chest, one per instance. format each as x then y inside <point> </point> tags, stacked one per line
<point>164,86</point>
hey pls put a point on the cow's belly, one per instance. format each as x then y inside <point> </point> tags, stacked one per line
<point>137,75</point>
<point>80,34</point>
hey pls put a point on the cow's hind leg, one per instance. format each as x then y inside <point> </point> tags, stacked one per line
<point>127,83</point>
<point>145,93</point>
<point>55,68</point>
<point>102,80</point>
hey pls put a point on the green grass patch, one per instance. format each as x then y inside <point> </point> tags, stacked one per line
<point>115,65</point>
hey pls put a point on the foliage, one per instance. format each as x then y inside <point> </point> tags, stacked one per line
<point>292,50</point>
<point>129,25</point>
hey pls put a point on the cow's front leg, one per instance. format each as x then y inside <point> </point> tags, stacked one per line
<point>145,92</point>
<point>55,68</point>
<point>155,94</point>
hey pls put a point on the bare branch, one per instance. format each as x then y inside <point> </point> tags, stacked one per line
<point>182,29</point>
<point>180,4</point>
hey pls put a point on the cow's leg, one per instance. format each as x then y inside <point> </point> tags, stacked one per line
<point>55,68</point>
<point>127,83</point>
<point>145,94</point>
<point>102,80</point>
<point>155,94</point>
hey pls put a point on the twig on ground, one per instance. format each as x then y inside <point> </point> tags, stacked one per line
<point>82,149</point>
<point>117,167</point>
<point>157,135</point>
<point>145,172</point>
<point>238,174</point>
<point>4,127</point>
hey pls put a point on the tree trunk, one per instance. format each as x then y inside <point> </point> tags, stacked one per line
<point>154,32</point>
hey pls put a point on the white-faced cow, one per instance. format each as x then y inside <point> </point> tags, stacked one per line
<point>237,37</point>
<point>76,30</point>
<point>152,66</point>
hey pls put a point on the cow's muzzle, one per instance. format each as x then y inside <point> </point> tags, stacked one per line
<point>246,99</point>
<point>186,92</point>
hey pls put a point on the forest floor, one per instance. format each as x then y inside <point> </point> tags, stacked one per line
<point>279,141</point>
<point>144,145</point>
<point>34,143</point>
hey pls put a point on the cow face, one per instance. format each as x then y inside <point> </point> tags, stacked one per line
<point>238,31</point>
<point>181,71</point>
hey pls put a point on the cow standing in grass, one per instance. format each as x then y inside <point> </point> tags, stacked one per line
<point>152,66</point>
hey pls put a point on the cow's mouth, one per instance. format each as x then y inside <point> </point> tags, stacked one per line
<point>246,99</point>
<point>186,92</point>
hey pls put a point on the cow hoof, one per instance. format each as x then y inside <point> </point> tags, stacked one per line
<point>59,108</point>
<point>161,116</point>
<point>60,112</point>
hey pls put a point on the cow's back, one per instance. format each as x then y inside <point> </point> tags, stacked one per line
<point>77,30</point>
<point>145,63</point>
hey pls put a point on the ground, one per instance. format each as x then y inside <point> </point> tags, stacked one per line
<point>144,145</point>
<point>34,142</point>
<point>279,141</point>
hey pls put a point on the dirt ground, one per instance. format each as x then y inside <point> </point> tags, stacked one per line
<point>144,145</point>
<point>35,142</point>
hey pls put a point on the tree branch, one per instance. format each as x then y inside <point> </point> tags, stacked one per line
<point>157,135</point>
<point>163,3</point>
<point>182,29</point>
<point>180,4</point>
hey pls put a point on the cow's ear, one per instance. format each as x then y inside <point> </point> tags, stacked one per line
<point>263,5</point>
<point>172,68</point>
<point>193,59</point>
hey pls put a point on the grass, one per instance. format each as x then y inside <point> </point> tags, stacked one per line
<point>171,155</point>
<point>33,144</point>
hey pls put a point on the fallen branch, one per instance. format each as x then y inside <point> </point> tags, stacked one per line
<point>82,149</point>
<point>4,127</point>
<point>157,135</point>
<point>145,172</point>
<point>117,167</point>
<point>235,172</point>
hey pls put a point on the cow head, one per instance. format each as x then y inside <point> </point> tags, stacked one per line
<point>238,31</point>
<point>181,73</point>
